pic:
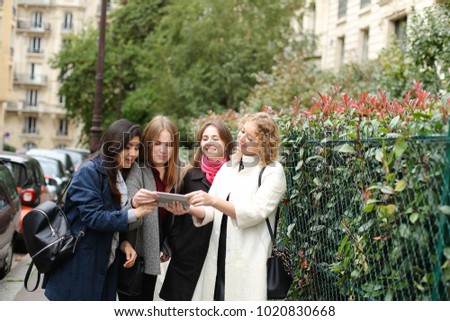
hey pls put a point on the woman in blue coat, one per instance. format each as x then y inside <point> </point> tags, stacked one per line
<point>95,201</point>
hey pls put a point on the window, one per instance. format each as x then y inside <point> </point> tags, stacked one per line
<point>36,19</point>
<point>35,44</point>
<point>35,72</point>
<point>65,42</point>
<point>341,51</point>
<point>62,99</point>
<point>32,97</point>
<point>68,17</point>
<point>32,71</point>
<point>30,125</point>
<point>400,29</point>
<point>364,3</point>
<point>62,128</point>
<point>342,11</point>
<point>29,145</point>
<point>364,45</point>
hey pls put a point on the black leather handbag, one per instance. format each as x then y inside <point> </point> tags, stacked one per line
<point>279,274</point>
<point>279,264</point>
<point>131,280</point>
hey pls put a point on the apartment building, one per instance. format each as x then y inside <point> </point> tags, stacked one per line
<point>32,113</point>
<point>354,31</point>
<point>7,25</point>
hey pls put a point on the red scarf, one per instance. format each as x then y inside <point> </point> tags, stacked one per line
<point>210,168</point>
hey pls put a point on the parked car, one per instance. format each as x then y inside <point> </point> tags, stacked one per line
<point>76,157</point>
<point>30,184</point>
<point>9,218</point>
<point>55,175</point>
<point>63,157</point>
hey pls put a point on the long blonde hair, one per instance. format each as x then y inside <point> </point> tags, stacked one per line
<point>151,133</point>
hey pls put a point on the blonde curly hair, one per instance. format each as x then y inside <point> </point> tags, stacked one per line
<point>268,135</point>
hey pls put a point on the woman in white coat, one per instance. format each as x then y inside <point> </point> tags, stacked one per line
<point>235,266</point>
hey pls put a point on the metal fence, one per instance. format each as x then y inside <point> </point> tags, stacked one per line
<point>369,219</point>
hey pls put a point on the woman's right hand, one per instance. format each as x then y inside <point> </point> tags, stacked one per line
<point>144,210</point>
<point>143,197</point>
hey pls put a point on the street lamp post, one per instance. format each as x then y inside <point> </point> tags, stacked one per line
<point>96,129</point>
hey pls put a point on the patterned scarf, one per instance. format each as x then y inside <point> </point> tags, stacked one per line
<point>210,168</point>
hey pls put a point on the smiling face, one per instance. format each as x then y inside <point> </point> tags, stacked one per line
<point>162,148</point>
<point>247,140</point>
<point>211,144</point>
<point>128,155</point>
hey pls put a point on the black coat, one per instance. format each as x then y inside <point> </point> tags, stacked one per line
<point>189,246</point>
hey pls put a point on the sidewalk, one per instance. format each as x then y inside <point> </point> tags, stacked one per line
<point>12,289</point>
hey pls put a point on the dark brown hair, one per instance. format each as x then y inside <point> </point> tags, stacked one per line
<point>114,140</point>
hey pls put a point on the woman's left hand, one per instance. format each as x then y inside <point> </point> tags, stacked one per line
<point>130,254</point>
<point>176,208</point>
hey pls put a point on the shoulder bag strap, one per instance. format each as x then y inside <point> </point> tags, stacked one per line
<point>271,232</point>
<point>27,276</point>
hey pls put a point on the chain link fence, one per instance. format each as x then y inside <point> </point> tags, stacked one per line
<point>369,219</point>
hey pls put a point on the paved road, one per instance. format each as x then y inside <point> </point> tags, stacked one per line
<point>12,289</point>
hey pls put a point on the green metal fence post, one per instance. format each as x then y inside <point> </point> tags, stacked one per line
<point>442,220</point>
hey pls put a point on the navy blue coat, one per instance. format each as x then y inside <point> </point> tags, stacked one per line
<point>86,275</point>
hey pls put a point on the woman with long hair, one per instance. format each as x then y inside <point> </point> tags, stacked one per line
<point>189,243</point>
<point>235,266</point>
<point>156,171</point>
<point>96,200</point>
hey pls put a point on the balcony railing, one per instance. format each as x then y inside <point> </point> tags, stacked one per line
<point>28,26</point>
<point>30,79</point>
<point>30,108</point>
<point>12,106</point>
<point>30,131</point>
<point>62,133</point>
<point>35,50</point>
<point>36,2</point>
<point>67,28</point>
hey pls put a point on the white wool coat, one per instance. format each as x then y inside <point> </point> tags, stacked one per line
<point>248,241</point>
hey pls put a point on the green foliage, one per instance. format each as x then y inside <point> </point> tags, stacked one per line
<point>76,64</point>
<point>429,47</point>
<point>366,188</point>
<point>179,58</point>
<point>295,79</point>
<point>203,54</point>
<point>395,73</point>
<point>9,148</point>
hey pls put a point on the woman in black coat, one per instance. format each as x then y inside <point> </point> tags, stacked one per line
<point>189,243</point>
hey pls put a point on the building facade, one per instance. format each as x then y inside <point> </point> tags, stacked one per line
<point>32,112</point>
<point>354,31</point>
<point>7,26</point>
